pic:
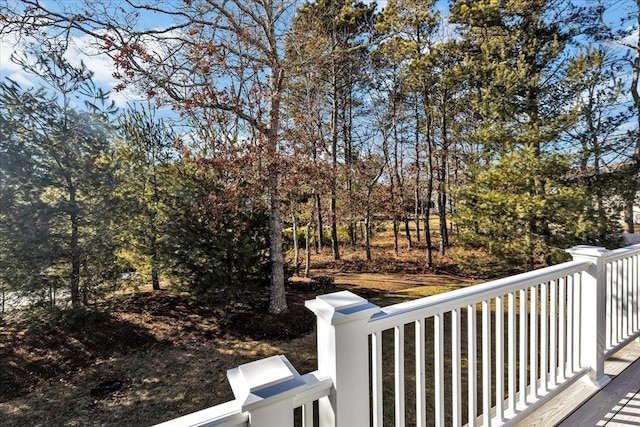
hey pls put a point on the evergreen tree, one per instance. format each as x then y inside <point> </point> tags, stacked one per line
<point>55,229</point>
<point>598,140</point>
<point>518,54</point>
<point>215,242</point>
<point>144,153</point>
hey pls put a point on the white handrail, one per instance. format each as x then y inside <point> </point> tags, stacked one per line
<point>618,254</point>
<point>224,415</point>
<point>410,311</point>
<point>230,414</point>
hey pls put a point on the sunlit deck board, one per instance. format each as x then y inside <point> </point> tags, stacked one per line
<point>581,404</point>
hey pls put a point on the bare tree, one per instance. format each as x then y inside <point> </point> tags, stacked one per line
<point>224,56</point>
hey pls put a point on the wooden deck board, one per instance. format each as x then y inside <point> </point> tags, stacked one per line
<point>617,404</point>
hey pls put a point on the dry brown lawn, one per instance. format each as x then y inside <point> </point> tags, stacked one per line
<point>170,355</point>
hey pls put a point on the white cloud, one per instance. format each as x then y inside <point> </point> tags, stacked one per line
<point>84,49</point>
<point>21,78</point>
<point>631,39</point>
<point>81,49</point>
<point>8,68</point>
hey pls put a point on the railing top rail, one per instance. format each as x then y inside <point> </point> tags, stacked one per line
<point>317,387</point>
<point>230,414</point>
<point>410,311</point>
<point>224,415</point>
<point>621,253</point>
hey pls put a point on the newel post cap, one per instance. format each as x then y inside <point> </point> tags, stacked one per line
<point>264,382</point>
<point>588,251</point>
<point>341,307</point>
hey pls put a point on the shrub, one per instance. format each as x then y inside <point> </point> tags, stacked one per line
<point>220,260</point>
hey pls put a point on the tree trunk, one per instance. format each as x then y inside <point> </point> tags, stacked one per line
<point>444,232</point>
<point>334,164</point>
<point>334,227</point>
<point>155,274</point>
<point>307,255</point>
<point>367,235</point>
<point>320,231</point>
<point>396,230</point>
<point>416,184</point>
<point>352,234</point>
<point>429,195</point>
<point>51,297</point>
<point>443,173</point>
<point>307,247</point>
<point>75,247</point>
<point>417,214</point>
<point>427,232</point>
<point>278,299</point>
<point>347,121</point>
<point>628,214</point>
<point>635,93</point>
<point>153,221</point>
<point>407,233</point>
<point>296,246</point>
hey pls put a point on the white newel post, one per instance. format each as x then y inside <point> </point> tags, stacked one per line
<point>593,311</point>
<point>343,355</point>
<point>266,389</point>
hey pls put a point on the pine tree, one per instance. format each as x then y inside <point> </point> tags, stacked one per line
<point>55,230</point>
<point>598,138</point>
<point>329,37</point>
<point>517,56</point>
<point>144,155</point>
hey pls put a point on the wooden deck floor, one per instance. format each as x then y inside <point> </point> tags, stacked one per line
<point>616,405</point>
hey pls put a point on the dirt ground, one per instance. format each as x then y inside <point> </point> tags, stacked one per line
<point>159,355</point>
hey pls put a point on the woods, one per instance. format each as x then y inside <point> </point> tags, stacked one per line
<point>268,128</point>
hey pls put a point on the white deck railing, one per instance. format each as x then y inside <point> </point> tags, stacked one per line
<point>484,355</point>
<point>622,295</point>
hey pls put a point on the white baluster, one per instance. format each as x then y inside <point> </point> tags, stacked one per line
<point>438,365</point>
<point>456,371</point>
<point>472,365</point>
<point>399,374</point>
<point>421,398</point>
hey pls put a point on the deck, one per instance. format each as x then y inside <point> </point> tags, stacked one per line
<point>616,405</point>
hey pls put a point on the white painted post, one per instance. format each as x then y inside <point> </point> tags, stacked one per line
<point>592,312</point>
<point>266,388</point>
<point>343,355</point>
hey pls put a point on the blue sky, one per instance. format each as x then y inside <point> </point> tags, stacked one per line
<point>80,50</point>
<point>103,67</point>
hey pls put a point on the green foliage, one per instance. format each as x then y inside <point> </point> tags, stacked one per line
<point>213,244</point>
<point>519,208</point>
<point>219,260</point>
<point>56,183</point>
<point>520,203</point>
<point>144,154</point>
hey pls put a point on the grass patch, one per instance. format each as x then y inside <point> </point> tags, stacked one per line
<point>171,353</point>
<point>429,290</point>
